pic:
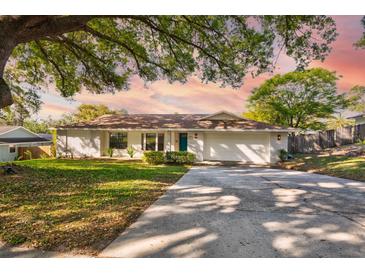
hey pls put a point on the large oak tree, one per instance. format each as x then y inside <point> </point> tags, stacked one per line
<point>299,99</point>
<point>102,53</point>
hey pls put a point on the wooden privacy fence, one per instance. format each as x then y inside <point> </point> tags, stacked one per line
<point>307,143</point>
<point>36,152</point>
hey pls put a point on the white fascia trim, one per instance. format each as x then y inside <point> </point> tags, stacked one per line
<point>182,129</point>
<point>29,143</point>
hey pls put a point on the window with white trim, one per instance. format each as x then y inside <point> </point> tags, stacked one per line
<point>12,149</point>
<point>150,141</point>
<point>118,140</point>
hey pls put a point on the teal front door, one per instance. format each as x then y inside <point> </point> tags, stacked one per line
<point>183,141</point>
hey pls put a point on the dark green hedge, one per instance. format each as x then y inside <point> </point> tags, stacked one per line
<point>180,157</point>
<point>170,157</point>
<point>154,157</point>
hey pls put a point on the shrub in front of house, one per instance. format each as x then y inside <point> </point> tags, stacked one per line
<point>154,157</point>
<point>110,152</point>
<point>283,155</point>
<point>180,157</point>
<point>131,152</point>
<point>170,157</point>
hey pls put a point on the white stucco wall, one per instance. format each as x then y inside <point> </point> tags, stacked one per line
<point>196,144</point>
<point>249,147</point>
<point>78,142</point>
<point>5,155</point>
<point>276,145</point>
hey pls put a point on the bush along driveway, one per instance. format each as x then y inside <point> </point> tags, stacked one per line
<point>78,205</point>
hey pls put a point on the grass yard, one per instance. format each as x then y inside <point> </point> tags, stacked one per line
<point>77,205</point>
<point>338,166</point>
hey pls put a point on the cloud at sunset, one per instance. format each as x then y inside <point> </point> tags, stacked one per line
<point>197,97</point>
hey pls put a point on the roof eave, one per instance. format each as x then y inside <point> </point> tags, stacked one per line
<point>181,129</point>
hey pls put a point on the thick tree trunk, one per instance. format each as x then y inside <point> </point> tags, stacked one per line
<point>6,47</point>
<point>22,29</point>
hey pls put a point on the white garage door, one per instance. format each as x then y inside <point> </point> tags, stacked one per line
<point>245,147</point>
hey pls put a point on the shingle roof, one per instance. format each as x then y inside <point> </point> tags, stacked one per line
<point>171,121</point>
<point>4,129</point>
<point>356,116</point>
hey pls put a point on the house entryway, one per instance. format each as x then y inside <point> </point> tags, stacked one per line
<point>183,141</point>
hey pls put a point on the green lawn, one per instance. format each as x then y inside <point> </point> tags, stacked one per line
<point>338,166</point>
<point>78,205</point>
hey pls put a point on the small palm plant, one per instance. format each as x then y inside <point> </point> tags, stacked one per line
<point>131,152</point>
<point>28,154</point>
<point>110,152</point>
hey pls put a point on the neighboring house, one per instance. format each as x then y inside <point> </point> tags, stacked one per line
<point>222,136</point>
<point>359,119</point>
<point>14,140</point>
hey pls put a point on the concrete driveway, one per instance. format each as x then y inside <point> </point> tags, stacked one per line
<point>250,212</point>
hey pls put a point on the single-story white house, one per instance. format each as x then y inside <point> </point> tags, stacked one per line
<point>14,138</point>
<point>221,136</point>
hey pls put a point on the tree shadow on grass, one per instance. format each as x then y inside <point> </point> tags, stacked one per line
<point>78,204</point>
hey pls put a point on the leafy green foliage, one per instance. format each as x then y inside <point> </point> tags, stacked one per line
<point>356,97</point>
<point>170,157</point>
<point>154,157</point>
<point>26,103</point>
<point>361,42</point>
<point>89,112</point>
<point>339,121</point>
<point>296,99</point>
<point>104,54</point>
<point>110,152</point>
<point>131,151</point>
<point>28,155</point>
<point>84,113</point>
<point>37,126</point>
<point>180,157</point>
<point>283,155</point>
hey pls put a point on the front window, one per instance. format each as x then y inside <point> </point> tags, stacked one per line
<point>118,140</point>
<point>150,141</point>
<point>12,149</point>
<point>160,142</point>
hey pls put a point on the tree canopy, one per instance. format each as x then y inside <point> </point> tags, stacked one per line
<point>356,97</point>
<point>101,53</point>
<point>361,42</point>
<point>26,103</point>
<point>338,121</point>
<point>297,99</point>
<point>88,112</point>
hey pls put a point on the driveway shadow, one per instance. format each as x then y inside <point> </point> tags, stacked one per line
<point>250,212</point>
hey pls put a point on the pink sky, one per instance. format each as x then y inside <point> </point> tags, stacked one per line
<point>196,97</point>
